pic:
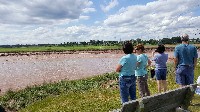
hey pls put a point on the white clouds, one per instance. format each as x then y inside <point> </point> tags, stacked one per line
<point>158,16</point>
<point>152,11</point>
<point>42,11</point>
<point>110,5</point>
<point>58,21</point>
<point>87,10</point>
<point>84,17</point>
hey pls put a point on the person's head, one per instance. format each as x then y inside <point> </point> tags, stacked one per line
<point>139,48</point>
<point>160,49</point>
<point>128,48</point>
<point>185,38</point>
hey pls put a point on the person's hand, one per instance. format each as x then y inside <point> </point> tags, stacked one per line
<point>175,70</point>
<point>153,53</point>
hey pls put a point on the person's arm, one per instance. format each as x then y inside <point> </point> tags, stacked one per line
<point>118,69</point>
<point>175,57</point>
<point>138,64</point>
<point>149,62</point>
<point>195,57</point>
<point>153,53</point>
<point>195,62</point>
<point>175,62</point>
<point>122,61</point>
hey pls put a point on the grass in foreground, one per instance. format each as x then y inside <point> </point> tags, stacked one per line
<point>96,100</point>
<point>195,106</point>
<point>17,100</point>
<point>99,93</point>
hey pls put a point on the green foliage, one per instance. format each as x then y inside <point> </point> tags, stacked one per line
<point>93,100</point>
<point>20,99</point>
<point>57,48</point>
<point>195,104</point>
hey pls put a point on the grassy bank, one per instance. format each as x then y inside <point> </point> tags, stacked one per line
<point>56,48</point>
<point>21,99</point>
<point>69,48</point>
<point>99,93</point>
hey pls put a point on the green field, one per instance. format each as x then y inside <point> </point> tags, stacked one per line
<point>56,48</point>
<point>99,93</point>
<point>68,48</point>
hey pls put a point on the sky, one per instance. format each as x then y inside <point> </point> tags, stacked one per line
<point>59,21</point>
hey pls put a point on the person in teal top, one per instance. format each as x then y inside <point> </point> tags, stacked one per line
<point>142,59</point>
<point>129,64</point>
<point>141,72</point>
<point>126,68</point>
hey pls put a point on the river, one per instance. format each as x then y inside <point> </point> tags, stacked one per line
<point>18,72</point>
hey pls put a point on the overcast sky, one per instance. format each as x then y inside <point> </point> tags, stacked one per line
<point>58,21</point>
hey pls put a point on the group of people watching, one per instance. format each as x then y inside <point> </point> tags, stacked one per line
<point>132,68</point>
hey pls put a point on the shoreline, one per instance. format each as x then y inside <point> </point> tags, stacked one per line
<point>113,51</point>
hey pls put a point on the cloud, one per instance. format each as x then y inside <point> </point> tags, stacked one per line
<point>151,11</point>
<point>41,21</point>
<point>161,16</point>
<point>84,17</point>
<point>42,11</point>
<point>110,5</point>
<point>88,10</point>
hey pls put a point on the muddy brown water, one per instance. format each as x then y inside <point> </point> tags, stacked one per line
<point>18,72</point>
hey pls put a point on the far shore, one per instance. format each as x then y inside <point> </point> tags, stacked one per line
<point>112,51</point>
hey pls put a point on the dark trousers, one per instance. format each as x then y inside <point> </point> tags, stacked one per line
<point>143,86</point>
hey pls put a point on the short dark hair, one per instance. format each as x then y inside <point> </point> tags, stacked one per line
<point>128,48</point>
<point>160,49</point>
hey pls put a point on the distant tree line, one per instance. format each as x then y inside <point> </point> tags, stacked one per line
<point>173,40</point>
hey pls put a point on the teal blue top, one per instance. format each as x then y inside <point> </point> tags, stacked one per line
<point>141,69</point>
<point>128,63</point>
<point>185,54</point>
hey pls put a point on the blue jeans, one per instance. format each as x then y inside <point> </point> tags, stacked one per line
<point>127,85</point>
<point>185,75</point>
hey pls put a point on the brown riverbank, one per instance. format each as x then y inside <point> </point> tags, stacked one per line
<point>148,49</point>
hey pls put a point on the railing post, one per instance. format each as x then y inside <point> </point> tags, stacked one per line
<point>189,95</point>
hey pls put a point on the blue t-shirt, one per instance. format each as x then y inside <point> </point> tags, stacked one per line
<point>141,69</point>
<point>128,63</point>
<point>160,61</point>
<point>185,54</point>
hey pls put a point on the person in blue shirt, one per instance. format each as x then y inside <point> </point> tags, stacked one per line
<point>141,71</point>
<point>126,68</point>
<point>160,59</point>
<point>185,61</point>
